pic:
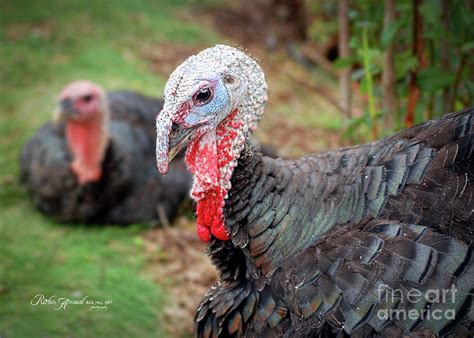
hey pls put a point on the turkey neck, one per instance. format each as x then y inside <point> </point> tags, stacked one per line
<point>233,258</point>
<point>87,141</point>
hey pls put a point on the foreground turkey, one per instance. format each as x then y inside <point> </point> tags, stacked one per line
<point>99,165</point>
<point>373,240</point>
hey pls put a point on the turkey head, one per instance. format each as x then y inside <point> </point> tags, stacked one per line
<point>84,109</point>
<point>212,103</point>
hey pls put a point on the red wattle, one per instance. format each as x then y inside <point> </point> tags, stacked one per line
<point>205,157</point>
<point>220,232</point>
<point>204,233</point>
<point>86,142</point>
<point>210,215</point>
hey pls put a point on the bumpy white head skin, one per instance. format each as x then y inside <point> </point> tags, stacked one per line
<point>247,93</point>
<point>212,102</point>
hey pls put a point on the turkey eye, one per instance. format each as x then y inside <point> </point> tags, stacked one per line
<point>87,98</point>
<point>229,79</point>
<point>203,96</point>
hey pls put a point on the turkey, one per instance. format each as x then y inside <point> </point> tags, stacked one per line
<point>372,240</point>
<point>96,163</point>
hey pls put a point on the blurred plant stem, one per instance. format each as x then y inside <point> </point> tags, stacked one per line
<point>369,82</point>
<point>457,79</point>
<point>390,102</point>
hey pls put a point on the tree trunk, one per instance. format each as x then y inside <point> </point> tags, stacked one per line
<point>419,52</point>
<point>298,16</point>
<point>390,102</point>
<point>344,52</point>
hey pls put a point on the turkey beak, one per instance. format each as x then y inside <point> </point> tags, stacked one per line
<point>64,111</point>
<point>171,138</point>
<point>170,141</point>
<point>179,139</point>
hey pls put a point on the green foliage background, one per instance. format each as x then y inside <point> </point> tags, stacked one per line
<point>447,32</point>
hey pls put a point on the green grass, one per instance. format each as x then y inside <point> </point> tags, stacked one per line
<point>39,257</point>
<point>44,45</point>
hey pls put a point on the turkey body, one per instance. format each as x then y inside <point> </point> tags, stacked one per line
<point>330,244</point>
<point>130,189</point>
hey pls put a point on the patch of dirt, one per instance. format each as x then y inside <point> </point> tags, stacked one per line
<point>292,141</point>
<point>164,58</point>
<point>177,261</point>
<point>42,30</point>
<point>261,23</point>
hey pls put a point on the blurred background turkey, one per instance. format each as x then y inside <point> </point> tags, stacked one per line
<point>340,72</point>
<point>96,161</point>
